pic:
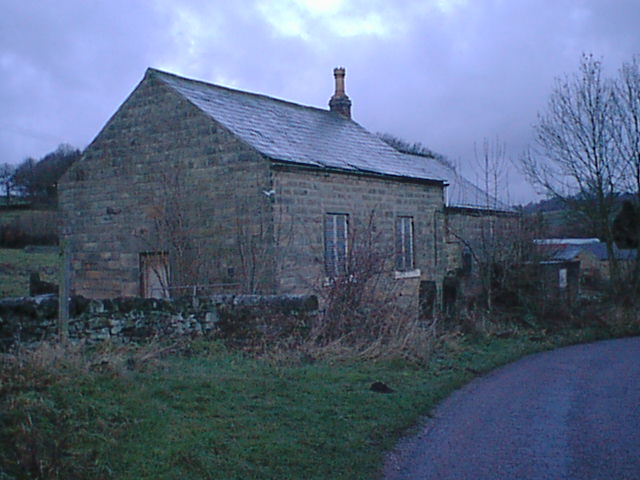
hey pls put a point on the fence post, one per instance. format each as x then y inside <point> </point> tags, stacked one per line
<point>63,293</point>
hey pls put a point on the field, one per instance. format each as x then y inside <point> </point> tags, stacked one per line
<point>17,264</point>
<point>208,413</point>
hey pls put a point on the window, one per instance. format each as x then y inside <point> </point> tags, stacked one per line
<point>336,232</point>
<point>154,275</point>
<point>404,244</point>
<point>562,278</point>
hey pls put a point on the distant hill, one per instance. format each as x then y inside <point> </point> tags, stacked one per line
<point>560,221</point>
<point>555,204</point>
<point>546,205</point>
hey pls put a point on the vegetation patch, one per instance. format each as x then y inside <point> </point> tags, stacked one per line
<point>17,265</point>
<point>199,410</point>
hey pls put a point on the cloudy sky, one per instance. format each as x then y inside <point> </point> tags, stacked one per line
<point>447,73</point>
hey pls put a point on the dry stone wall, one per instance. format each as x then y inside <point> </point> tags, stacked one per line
<point>239,319</point>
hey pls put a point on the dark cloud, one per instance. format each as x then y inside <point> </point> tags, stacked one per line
<point>445,73</point>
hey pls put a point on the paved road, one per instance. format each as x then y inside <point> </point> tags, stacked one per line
<point>573,413</point>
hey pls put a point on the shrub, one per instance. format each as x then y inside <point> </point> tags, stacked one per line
<point>363,315</point>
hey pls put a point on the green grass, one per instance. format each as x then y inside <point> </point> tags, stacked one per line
<point>220,415</point>
<point>16,265</point>
<point>9,216</point>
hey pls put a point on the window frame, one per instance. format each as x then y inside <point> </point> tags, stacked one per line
<point>336,244</point>
<point>405,244</point>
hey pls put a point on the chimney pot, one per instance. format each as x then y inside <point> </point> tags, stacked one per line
<point>340,102</point>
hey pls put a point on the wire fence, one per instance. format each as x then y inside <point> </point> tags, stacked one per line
<point>195,290</point>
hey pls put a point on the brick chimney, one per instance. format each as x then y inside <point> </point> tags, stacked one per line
<point>340,103</point>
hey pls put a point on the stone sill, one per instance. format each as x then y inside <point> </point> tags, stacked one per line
<point>407,274</point>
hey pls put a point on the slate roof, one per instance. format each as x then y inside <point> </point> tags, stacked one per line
<point>292,133</point>
<point>289,132</point>
<point>461,193</point>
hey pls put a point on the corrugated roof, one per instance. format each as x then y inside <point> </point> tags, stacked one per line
<point>289,132</point>
<point>565,241</point>
<point>569,251</point>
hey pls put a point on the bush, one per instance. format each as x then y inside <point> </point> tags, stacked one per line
<point>363,315</point>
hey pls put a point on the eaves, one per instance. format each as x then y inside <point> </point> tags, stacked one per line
<point>292,166</point>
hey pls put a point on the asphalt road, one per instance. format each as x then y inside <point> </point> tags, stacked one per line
<point>573,413</point>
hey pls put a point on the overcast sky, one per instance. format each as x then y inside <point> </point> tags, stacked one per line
<point>447,73</point>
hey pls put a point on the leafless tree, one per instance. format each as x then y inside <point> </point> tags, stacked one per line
<point>7,172</point>
<point>257,241</point>
<point>627,114</point>
<point>575,157</point>
<point>191,255</point>
<point>178,260</point>
<point>491,246</point>
<point>486,235</point>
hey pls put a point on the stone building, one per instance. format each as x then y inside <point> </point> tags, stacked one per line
<point>193,187</point>
<point>592,255</point>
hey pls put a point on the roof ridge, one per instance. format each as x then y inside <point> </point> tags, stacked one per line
<point>242,92</point>
<point>290,132</point>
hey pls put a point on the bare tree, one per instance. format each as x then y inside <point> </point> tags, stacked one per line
<point>7,172</point>
<point>255,242</point>
<point>186,255</point>
<point>488,237</point>
<point>575,157</point>
<point>491,246</point>
<point>491,165</point>
<point>627,114</point>
<point>175,257</point>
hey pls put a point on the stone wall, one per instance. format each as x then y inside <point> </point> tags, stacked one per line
<point>238,319</point>
<point>478,231</point>
<point>161,173</point>
<point>303,197</point>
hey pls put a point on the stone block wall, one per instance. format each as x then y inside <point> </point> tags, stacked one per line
<point>304,197</point>
<point>478,231</point>
<point>160,173</point>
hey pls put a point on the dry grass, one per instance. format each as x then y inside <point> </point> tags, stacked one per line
<point>56,359</point>
<point>74,412</point>
<point>399,336</point>
<point>45,435</point>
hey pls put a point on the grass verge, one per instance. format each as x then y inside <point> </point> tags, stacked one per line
<point>139,413</point>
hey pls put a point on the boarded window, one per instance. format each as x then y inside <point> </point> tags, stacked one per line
<point>154,275</point>
<point>404,244</point>
<point>336,233</point>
